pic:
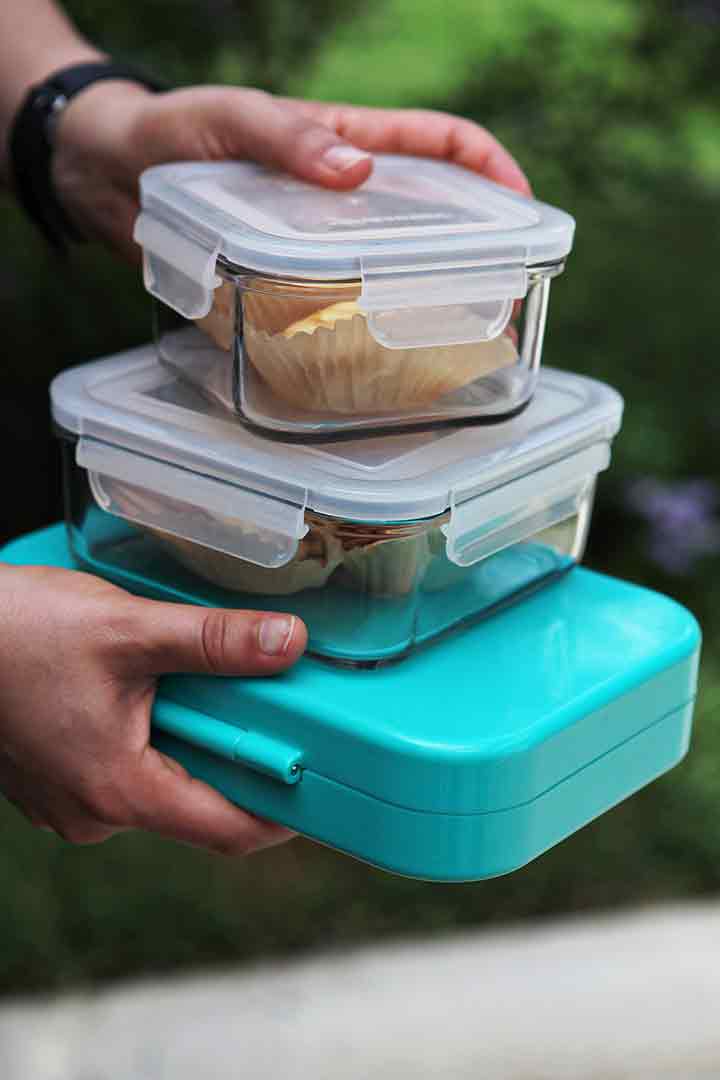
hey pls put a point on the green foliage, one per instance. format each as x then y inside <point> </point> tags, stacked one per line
<point>612,109</point>
<point>257,42</point>
<point>411,52</point>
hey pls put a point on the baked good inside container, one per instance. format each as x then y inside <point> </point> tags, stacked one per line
<point>420,298</point>
<point>379,545</point>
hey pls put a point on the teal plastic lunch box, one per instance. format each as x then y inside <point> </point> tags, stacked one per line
<point>470,757</point>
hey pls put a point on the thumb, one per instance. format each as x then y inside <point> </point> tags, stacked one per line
<point>168,801</point>
<point>252,124</point>
<point>269,131</point>
<point>168,638</point>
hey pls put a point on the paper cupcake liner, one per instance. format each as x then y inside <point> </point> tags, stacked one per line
<point>318,554</point>
<point>344,370</point>
<point>273,307</point>
<point>562,536</point>
<point>379,560</point>
<point>270,307</point>
<point>219,323</point>
<point>388,568</point>
<point>237,575</point>
<point>441,573</point>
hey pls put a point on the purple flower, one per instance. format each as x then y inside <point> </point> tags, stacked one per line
<point>682,520</point>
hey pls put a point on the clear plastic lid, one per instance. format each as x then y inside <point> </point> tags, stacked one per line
<point>137,424</point>
<point>427,239</point>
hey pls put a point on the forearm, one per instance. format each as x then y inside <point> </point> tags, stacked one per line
<point>36,39</point>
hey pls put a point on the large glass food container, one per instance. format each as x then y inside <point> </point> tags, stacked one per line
<point>379,544</point>
<point>417,299</point>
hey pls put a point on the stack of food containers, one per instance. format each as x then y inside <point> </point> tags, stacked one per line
<point>345,415</point>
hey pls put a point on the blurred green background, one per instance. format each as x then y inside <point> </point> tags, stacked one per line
<point>612,108</point>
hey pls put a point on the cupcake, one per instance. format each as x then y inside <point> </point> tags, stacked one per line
<point>329,361</point>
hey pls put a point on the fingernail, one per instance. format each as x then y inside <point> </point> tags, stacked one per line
<point>343,156</point>
<point>275,633</point>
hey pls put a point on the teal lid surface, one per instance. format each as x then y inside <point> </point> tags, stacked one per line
<point>489,717</point>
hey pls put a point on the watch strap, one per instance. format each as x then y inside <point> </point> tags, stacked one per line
<point>31,143</point>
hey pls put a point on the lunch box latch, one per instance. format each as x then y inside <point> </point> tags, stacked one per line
<point>483,524</point>
<point>250,525</point>
<point>178,269</point>
<point>426,301</point>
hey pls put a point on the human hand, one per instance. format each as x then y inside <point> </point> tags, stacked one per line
<point>112,131</point>
<point>78,665</point>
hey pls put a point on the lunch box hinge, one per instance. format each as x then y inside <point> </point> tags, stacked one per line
<point>261,753</point>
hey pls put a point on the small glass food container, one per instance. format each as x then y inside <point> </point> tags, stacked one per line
<point>379,544</point>
<point>419,298</point>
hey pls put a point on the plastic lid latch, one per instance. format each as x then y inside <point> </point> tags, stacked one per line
<point>178,270</point>
<point>429,303</point>
<point>485,523</point>
<point>250,525</point>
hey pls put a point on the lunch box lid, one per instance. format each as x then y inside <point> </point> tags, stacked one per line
<point>136,423</point>
<point>444,250</point>
<point>480,722</point>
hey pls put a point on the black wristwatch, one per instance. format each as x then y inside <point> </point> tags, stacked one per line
<point>31,143</point>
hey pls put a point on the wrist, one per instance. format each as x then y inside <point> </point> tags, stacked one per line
<point>93,148</point>
<point>86,111</point>
<point>100,116</point>
<point>36,68</point>
<point>55,57</point>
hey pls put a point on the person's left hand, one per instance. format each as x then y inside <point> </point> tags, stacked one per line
<point>112,131</point>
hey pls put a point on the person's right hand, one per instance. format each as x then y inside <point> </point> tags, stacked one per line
<point>79,660</point>
<point>112,131</point>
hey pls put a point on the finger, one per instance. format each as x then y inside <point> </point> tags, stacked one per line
<point>270,133</point>
<point>166,638</point>
<point>222,122</point>
<point>116,230</point>
<point>65,817</point>
<point>421,132</point>
<point>174,804</point>
<point>36,818</point>
<point>108,217</point>
<point>39,821</point>
<point>83,832</point>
